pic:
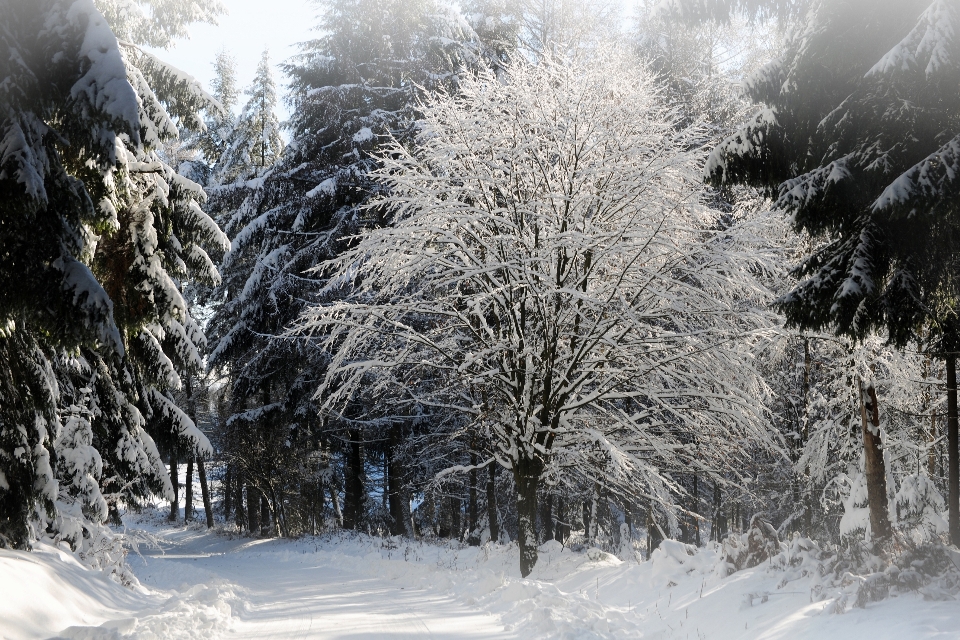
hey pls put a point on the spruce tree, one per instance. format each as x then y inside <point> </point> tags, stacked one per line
<point>100,234</point>
<point>219,125</point>
<point>351,89</point>
<point>857,142</point>
<point>253,143</point>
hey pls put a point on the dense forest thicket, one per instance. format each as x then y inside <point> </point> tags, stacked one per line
<point>516,270</point>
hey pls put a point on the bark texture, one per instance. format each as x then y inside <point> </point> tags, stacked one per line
<point>266,529</point>
<point>228,493</point>
<point>472,537</point>
<point>527,476</point>
<point>953,453</point>
<point>253,510</point>
<point>562,530</point>
<point>398,525</point>
<point>493,517</point>
<point>240,510</point>
<point>353,493</point>
<point>874,465</point>
<point>455,525</point>
<point>548,517</point>
<point>205,493</point>
<point>188,492</point>
<point>175,481</point>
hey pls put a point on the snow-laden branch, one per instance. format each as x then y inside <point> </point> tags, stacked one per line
<point>547,244</point>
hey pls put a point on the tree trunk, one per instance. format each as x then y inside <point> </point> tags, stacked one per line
<point>953,453</point>
<point>240,511</point>
<point>188,512</point>
<point>253,510</point>
<point>548,518</point>
<point>398,526</point>
<point>280,527</point>
<point>807,521</point>
<point>227,493</point>
<point>932,455</point>
<point>188,492</point>
<point>696,509</point>
<point>443,517</point>
<point>654,534</point>
<point>385,494</point>
<point>175,481</point>
<point>594,525</point>
<point>932,434</point>
<point>473,536</point>
<point>316,510</point>
<point>874,465</point>
<point>493,518</point>
<point>719,527</point>
<point>527,476</point>
<point>456,529</point>
<point>205,493</point>
<point>586,521</point>
<point>561,530</point>
<point>353,499</point>
<point>265,529</point>
<point>335,499</point>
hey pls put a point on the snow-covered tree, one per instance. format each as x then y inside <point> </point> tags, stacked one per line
<point>703,65</point>
<point>865,172</point>
<point>224,84</point>
<point>157,23</point>
<point>208,146</point>
<point>352,87</point>
<point>101,234</point>
<point>161,242</point>
<point>537,27</point>
<point>546,245</point>
<point>254,142</point>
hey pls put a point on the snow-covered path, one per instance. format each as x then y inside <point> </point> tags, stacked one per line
<point>201,584</point>
<point>277,593</point>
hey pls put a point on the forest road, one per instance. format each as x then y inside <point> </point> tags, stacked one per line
<point>277,590</point>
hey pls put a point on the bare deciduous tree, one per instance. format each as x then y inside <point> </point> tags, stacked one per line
<point>546,244</point>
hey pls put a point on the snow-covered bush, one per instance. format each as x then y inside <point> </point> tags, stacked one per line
<point>851,575</point>
<point>749,549</point>
<point>920,508</point>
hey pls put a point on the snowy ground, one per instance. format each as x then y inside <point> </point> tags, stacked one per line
<point>204,585</point>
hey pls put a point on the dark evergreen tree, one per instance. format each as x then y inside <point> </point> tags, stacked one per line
<point>100,234</point>
<point>858,142</point>
<point>352,89</point>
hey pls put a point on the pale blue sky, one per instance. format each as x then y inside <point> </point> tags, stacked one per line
<point>248,28</point>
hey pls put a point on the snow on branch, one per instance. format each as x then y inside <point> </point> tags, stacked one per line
<point>933,181</point>
<point>88,295</point>
<point>182,424</point>
<point>933,45</point>
<point>547,244</point>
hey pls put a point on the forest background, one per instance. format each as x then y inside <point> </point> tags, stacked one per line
<point>516,270</point>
